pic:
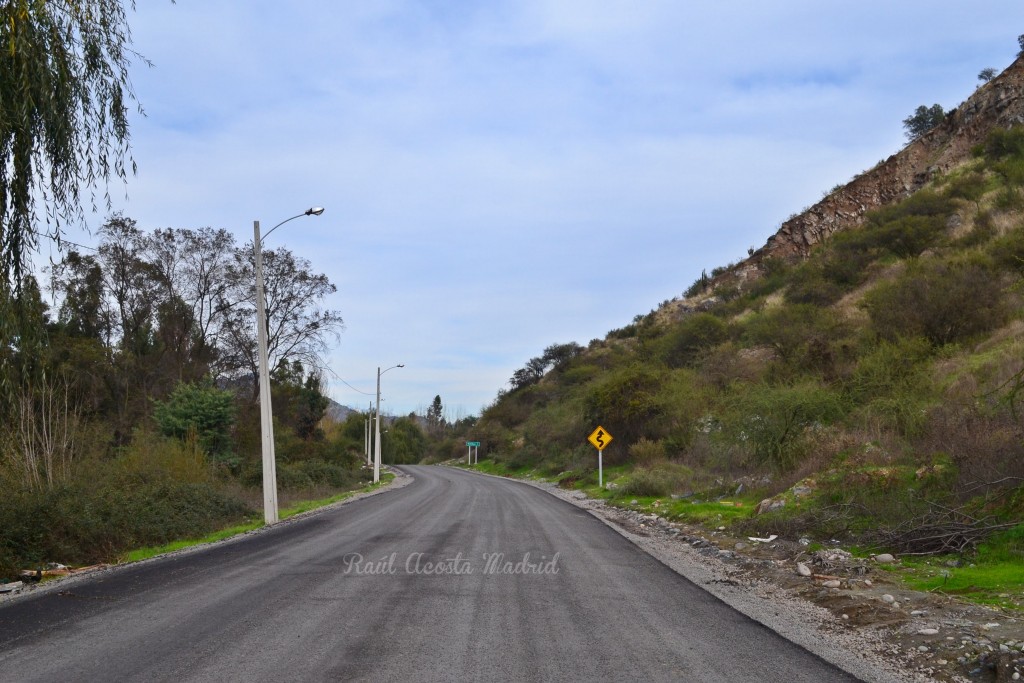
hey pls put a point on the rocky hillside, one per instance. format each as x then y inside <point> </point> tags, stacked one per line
<point>998,103</point>
<point>871,348</point>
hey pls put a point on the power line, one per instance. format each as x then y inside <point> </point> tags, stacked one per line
<point>339,378</point>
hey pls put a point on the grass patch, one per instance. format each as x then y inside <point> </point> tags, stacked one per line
<point>502,469</point>
<point>994,575</point>
<point>307,505</point>
<point>153,551</point>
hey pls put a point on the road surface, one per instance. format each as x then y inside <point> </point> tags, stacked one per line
<point>455,577</point>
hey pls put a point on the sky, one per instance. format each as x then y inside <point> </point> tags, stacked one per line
<point>500,176</point>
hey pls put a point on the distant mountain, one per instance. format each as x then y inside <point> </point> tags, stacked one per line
<point>338,412</point>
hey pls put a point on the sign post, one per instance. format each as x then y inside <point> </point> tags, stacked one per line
<point>600,439</point>
<point>473,454</point>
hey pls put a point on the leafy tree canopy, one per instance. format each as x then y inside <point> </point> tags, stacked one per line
<point>64,91</point>
<point>922,120</point>
<point>201,410</point>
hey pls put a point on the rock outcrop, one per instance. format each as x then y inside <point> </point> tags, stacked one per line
<point>998,103</point>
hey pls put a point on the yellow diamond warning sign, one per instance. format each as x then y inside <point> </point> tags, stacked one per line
<point>600,438</point>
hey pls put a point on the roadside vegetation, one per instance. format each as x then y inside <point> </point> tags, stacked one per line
<point>128,412</point>
<point>864,393</point>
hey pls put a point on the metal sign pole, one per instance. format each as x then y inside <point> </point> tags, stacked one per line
<point>600,439</point>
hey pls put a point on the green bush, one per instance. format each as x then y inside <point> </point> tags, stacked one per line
<point>922,203</point>
<point>909,236</point>
<point>1009,199</point>
<point>202,409</point>
<point>889,367</point>
<point>942,301</point>
<point>816,284</point>
<point>1008,251</point>
<point>292,476</point>
<point>773,421</point>
<point>113,506</point>
<point>646,452</point>
<point>794,330</point>
<point>685,341</point>
<point>970,187</point>
<point>658,480</point>
<point>624,402</point>
<point>1003,143</point>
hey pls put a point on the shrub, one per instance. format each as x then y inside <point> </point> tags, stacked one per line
<point>1008,251</point>
<point>1003,143</point>
<point>922,203</point>
<point>773,420</point>
<point>658,480</point>
<point>684,342</point>
<point>791,330</point>
<point>202,409</point>
<point>624,401</point>
<point>968,186</point>
<point>1009,199</point>
<point>942,301</point>
<point>130,501</point>
<point>816,284</point>
<point>909,236</point>
<point>889,367</point>
<point>646,452</point>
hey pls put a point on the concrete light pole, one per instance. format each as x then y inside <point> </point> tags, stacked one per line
<point>376,451</point>
<point>369,416</point>
<point>266,413</point>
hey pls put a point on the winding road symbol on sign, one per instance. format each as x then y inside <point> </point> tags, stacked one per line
<point>600,438</point>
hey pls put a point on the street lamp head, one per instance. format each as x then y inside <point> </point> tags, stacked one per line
<point>315,211</point>
<point>401,365</point>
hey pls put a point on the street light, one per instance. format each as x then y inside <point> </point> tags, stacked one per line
<point>369,416</point>
<point>376,452</point>
<point>266,414</point>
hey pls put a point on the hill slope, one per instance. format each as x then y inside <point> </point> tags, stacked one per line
<point>856,377</point>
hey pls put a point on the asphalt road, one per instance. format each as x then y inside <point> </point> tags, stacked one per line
<point>424,583</point>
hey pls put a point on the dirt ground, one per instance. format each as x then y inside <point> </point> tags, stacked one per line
<point>931,635</point>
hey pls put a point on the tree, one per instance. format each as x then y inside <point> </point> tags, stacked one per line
<point>78,281</point>
<point>435,415</point>
<point>1020,42</point>
<point>64,88</point>
<point>193,266</point>
<point>922,120</point>
<point>297,330</point>
<point>132,280</point>
<point>202,411</point>
<point>986,75</point>
<point>298,400</point>
<point>557,355</point>
<point>404,442</point>
<point>554,357</point>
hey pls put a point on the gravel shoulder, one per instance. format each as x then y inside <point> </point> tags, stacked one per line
<point>845,611</point>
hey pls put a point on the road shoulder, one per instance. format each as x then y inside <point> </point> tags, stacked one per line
<point>872,654</point>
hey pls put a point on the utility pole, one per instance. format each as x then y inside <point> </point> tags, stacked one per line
<point>369,413</point>
<point>376,450</point>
